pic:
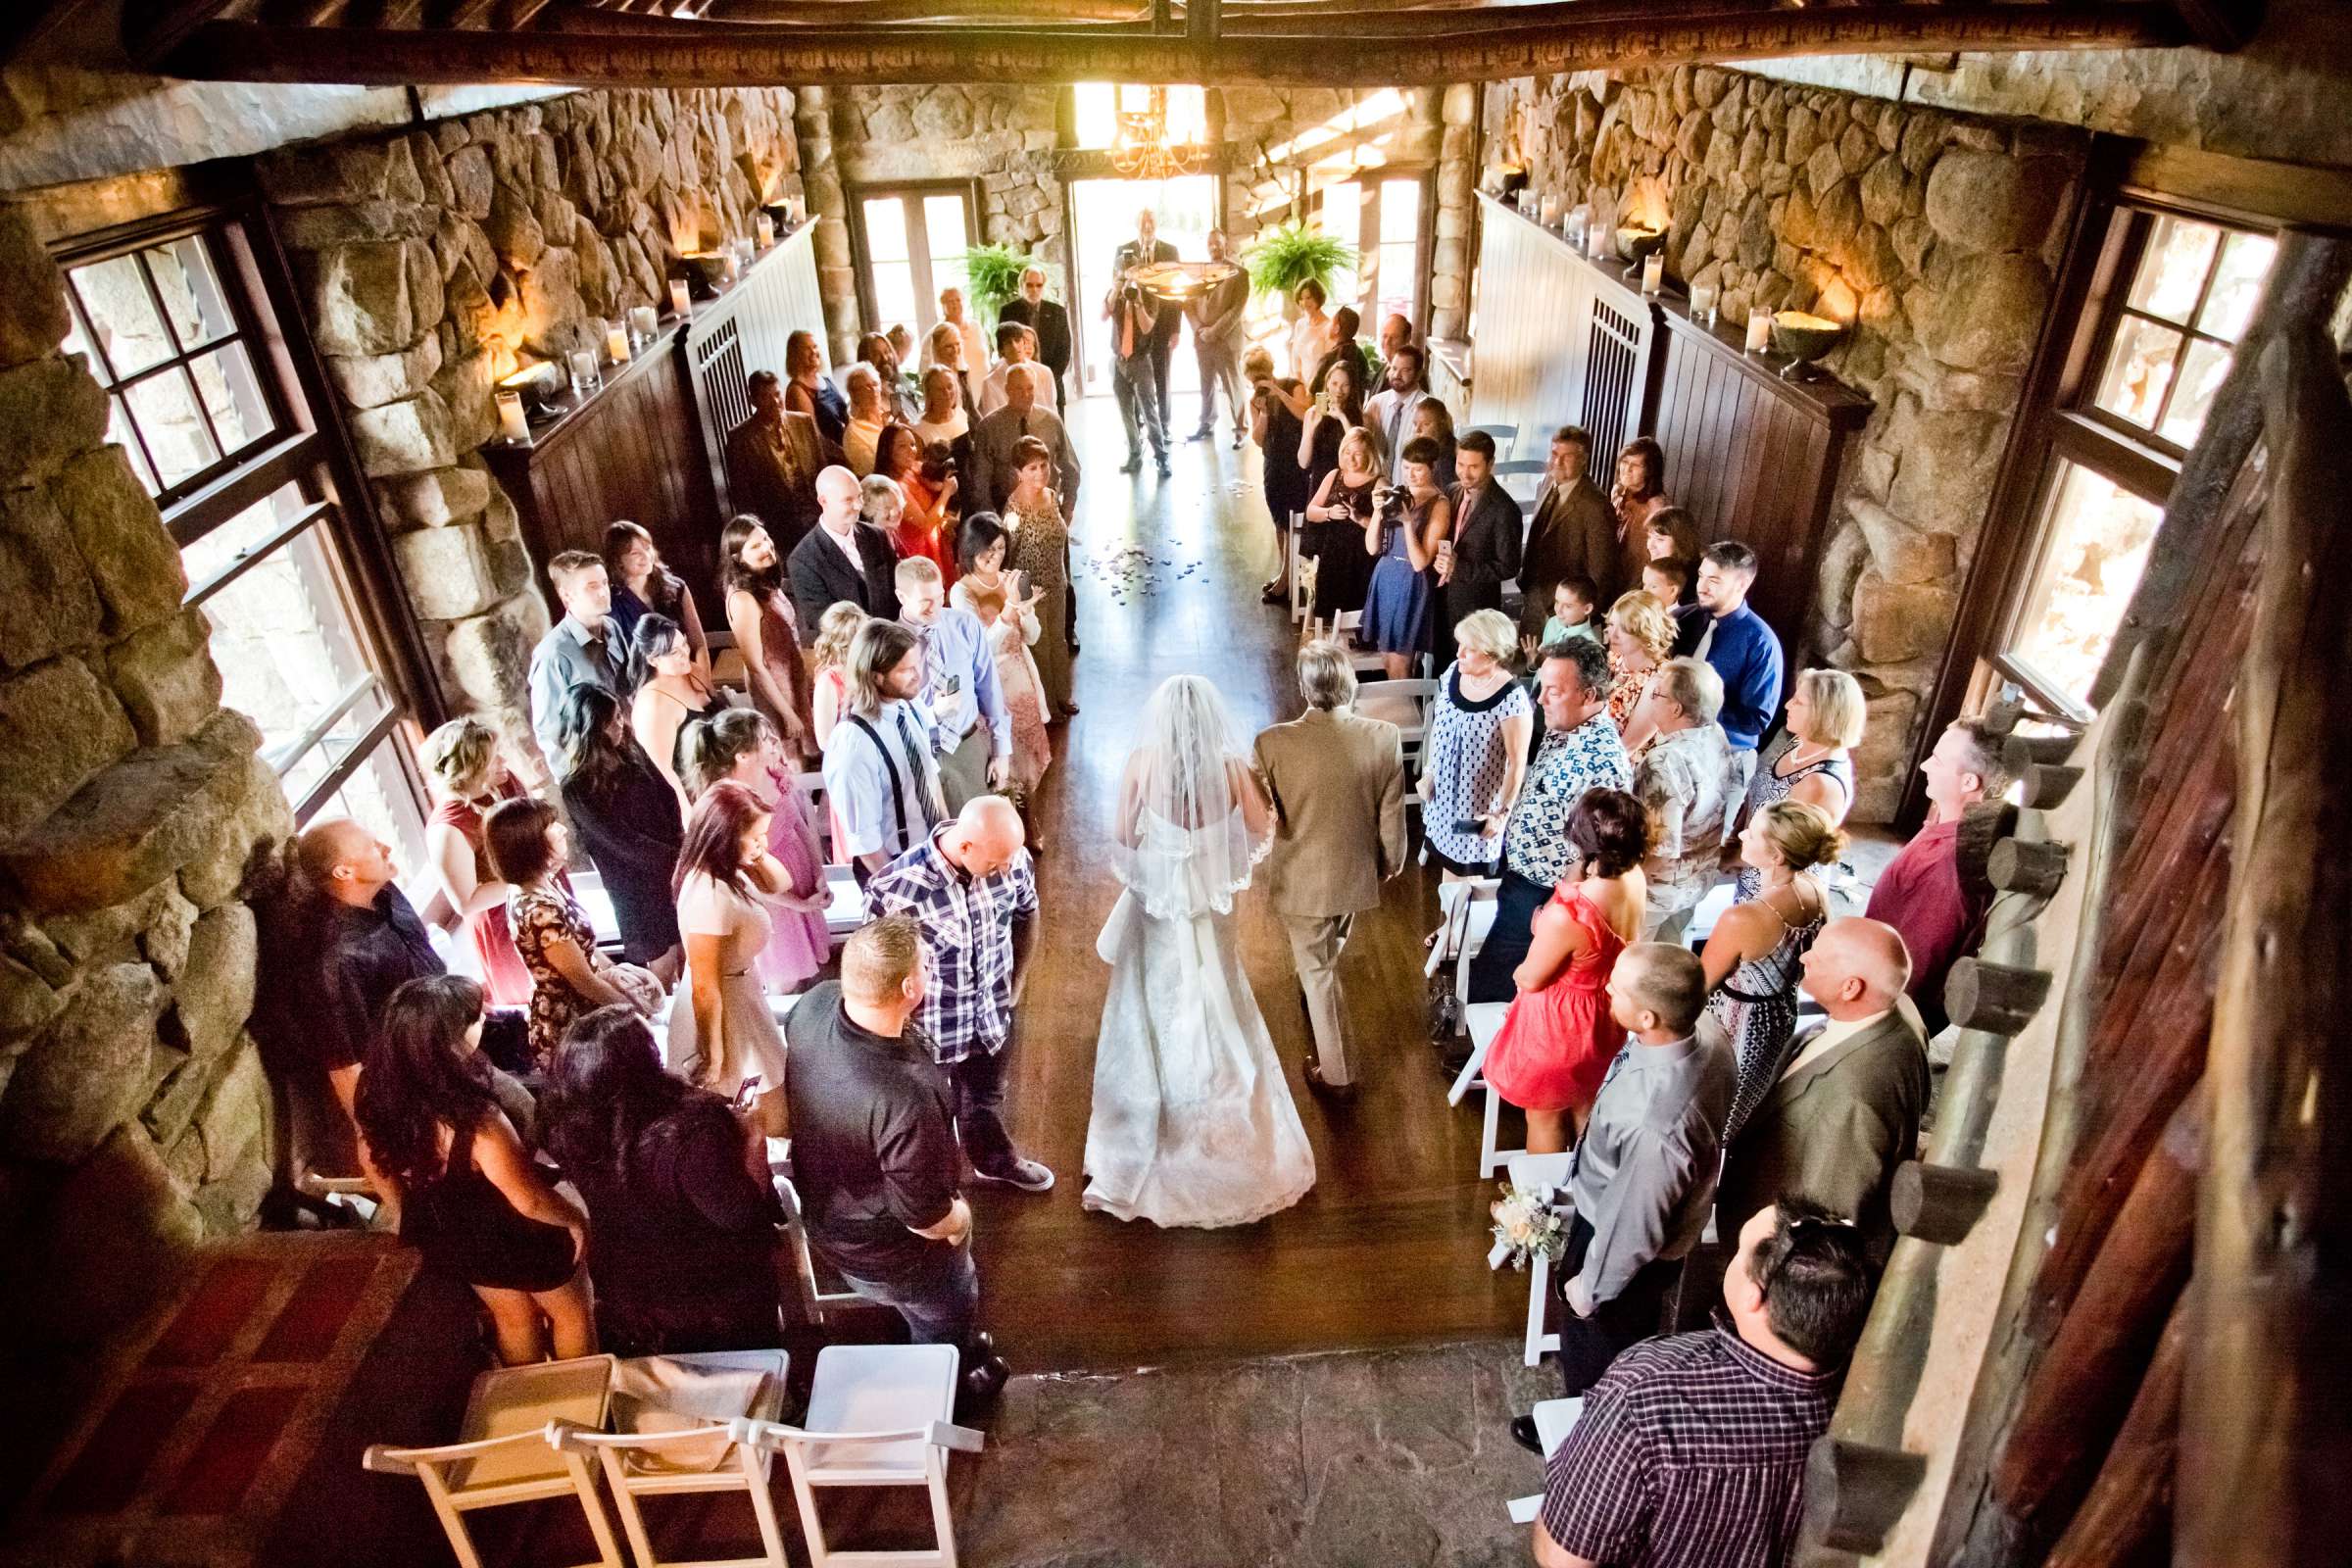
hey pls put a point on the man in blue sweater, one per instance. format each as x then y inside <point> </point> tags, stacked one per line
<point>1733,639</point>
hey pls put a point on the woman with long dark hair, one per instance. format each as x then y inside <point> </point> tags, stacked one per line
<point>923,524</point>
<point>722,1033</point>
<point>767,633</point>
<point>528,845</point>
<point>470,1199</point>
<point>1336,409</point>
<point>678,1189</point>
<point>642,582</point>
<point>666,694</point>
<point>627,819</point>
<point>740,746</point>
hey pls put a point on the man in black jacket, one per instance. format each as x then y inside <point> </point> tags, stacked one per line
<point>843,558</point>
<point>1484,549</point>
<point>1145,250</point>
<point>1052,324</point>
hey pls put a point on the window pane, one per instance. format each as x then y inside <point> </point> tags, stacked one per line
<point>115,296</point>
<point>222,547</point>
<point>312,763</point>
<point>165,406</point>
<point>1343,219</point>
<point>894,297</point>
<point>2140,367</point>
<point>379,797</point>
<point>2099,536</point>
<point>886,229</point>
<point>1400,212</point>
<point>231,395</point>
<point>2237,285</point>
<point>283,639</point>
<point>117,431</point>
<point>192,294</point>
<point>1188,115</point>
<point>2172,271</point>
<point>1395,281</point>
<point>2202,369</point>
<point>1097,114</point>
<point>943,226</point>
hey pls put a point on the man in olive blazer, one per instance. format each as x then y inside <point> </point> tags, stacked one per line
<point>1846,1110</point>
<point>1574,534</point>
<point>1337,780</point>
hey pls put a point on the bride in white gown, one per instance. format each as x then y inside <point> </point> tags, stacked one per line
<point>1192,1121</point>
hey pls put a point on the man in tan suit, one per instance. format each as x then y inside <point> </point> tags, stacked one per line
<point>773,459</point>
<point>1338,786</point>
<point>1846,1110</point>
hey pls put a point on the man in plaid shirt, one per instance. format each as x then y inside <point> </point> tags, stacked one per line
<point>1691,1452</point>
<point>971,887</point>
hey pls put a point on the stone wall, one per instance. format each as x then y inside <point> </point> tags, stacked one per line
<point>434,262</point>
<point>134,1117</point>
<point>1935,235</point>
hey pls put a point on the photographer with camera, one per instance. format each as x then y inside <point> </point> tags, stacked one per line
<point>1409,535</point>
<point>1274,425</point>
<point>1134,316</point>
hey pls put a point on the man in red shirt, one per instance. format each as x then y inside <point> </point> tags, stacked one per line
<point>1920,892</point>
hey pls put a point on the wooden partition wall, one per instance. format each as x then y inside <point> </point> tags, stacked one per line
<point>1751,456</point>
<point>649,447</point>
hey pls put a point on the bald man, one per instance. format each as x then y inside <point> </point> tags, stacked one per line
<point>1846,1110</point>
<point>843,559</point>
<point>971,889</point>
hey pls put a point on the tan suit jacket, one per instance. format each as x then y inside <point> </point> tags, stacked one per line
<point>1338,783</point>
<point>1833,1132</point>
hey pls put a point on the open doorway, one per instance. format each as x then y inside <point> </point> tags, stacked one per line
<point>1103,215</point>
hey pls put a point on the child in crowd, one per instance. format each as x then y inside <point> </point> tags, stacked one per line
<point>1666,580</point>
<point>1572,604</point>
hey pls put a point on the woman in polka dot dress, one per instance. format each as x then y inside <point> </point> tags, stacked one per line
<point>1476,754</point>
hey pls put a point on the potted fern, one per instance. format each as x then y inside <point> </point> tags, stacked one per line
<point>1289,255</point>
<point>992,276</point>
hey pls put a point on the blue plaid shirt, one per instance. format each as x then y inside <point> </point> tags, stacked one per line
<point>968,942</point>
<point>1534,842</point>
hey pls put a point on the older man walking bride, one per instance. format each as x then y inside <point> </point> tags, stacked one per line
<point>1192,1121</point>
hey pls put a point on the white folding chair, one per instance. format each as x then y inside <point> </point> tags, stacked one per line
<point>1506,437</point>
<point>1405,704</point>
<point>879,1416</point>
<point>675,1464</point>
<point>1299,569</point>
<point>507,1450</point>
<point>1528,1172</point>
<point>1554,1419</point>
<point>1485,1019</point>
<point>1345,625</point>
<point>814,1299</point>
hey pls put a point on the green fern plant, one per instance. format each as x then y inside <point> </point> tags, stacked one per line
<point>1290,253</point>
<point>993,274</point>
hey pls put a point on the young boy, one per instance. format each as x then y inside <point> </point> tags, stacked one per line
<point>1572,605</point>
<point>1666,580</point>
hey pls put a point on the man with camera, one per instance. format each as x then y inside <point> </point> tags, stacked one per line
<point>1145,250</point>
<point>1133,316</point>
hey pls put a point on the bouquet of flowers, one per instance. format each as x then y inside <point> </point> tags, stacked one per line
<point>1527,1221</point>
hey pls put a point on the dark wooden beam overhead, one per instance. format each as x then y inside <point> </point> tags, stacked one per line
<point>2220,24</point>
<point>849,13</point>
<point>666,52</point>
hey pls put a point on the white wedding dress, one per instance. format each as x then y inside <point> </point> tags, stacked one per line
<point>1192,1121</point>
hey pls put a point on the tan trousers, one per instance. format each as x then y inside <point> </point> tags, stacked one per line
<point>1315,944</point>
<point>963,771</point>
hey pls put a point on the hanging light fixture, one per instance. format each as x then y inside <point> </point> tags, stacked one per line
<point>1141,149</point>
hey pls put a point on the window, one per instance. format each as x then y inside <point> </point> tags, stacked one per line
<point>173,329</point>
<point>915,239</point>
<point>2160,339</point>
<point>1382,219</point>
<point>1097,105</point>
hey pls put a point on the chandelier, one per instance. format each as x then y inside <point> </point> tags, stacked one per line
<point>1143,150</point>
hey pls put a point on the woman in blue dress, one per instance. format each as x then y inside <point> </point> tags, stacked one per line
<point>1404,583</point>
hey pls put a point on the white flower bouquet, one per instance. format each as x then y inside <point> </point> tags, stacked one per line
<point>1527,1221</point>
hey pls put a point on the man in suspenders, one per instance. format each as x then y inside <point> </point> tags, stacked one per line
<point>881,763</point>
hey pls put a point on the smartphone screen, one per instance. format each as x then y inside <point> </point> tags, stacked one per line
<point>747,1092</point>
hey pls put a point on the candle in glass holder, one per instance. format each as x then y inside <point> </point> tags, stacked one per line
<point>582,363</point>
<point>730,265</point>
<point>795,210</point>
<point>1597,241</point>
<point>512,424</point>
<point>767,230</point>
<point>1551,208</point>
<point>644,322</point>
<point>679,304</point>
<point>1580,224</point>
<point>1703,302</point>
<point>1653,272</point>
<point>616,343</point>
<point>1759,330</point>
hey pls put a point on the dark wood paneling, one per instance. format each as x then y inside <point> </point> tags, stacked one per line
<point>1750,454</point>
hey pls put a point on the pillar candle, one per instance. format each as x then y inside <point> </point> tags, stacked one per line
<point>616,343</point>
<point>1759,330</point>
<point>1653,272</point>
<point>767,230</point>
<point>511,422</point>
<point>679,304</point>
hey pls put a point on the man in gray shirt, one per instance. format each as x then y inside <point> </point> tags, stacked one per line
<point>1645,1172</point>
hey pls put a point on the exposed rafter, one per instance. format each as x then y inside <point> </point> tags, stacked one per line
<point>609,49</point>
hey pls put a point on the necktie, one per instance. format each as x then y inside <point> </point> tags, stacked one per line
<point>1706,640</point>
<point>916,758</point>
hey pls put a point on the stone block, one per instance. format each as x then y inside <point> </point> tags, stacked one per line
<point>1900,554</point>
<point>1912,238</point>
<point>1990,201</point>
<point>48,602</point>
<point>1460,104</point>
<point>465,387</point>
<point>122,539</point>
<point>1983,312</point>
<point>1823,169</point>
<point>252,822</point>
<point>488,657</point>
<point>59,728</point>
<point>446,571</point>
<point>1881,190</point>
<point>50,409</point>
<point>166,678</point>
<point>469,179</point>
<point>1857,145</point>
<point>372,380</point>
<point>85,1074</point>
<point>360,300</point>
<point>27,1004</point>
<point>36,320</point>
<point>1894,622</point>
<point>436,499</point>
<point>214,995</point>
<point>513,229</point>
<point>115,1238</point>
<point>342,172</point>
<point>553,311</point>
<point>156,926</point>
<point>317,229</point>
<point>405,437</point>
<point>1802,135</point>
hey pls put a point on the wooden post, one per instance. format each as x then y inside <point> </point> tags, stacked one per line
<point>2045,784</point>
<point>2032,866</point>
<point>1993,997</point>
<point>2126,1520</point>
<point>1939,1204</point>
<point>2266,1439</point>
<point>1855,1493</point>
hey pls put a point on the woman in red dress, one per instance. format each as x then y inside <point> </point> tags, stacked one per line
<point>1557,1040</point>
<point>924,526</point>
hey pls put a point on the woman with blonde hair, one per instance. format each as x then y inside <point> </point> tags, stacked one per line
<point>1476,756</point>
<point>1813,761</point>
<point>469,775</point>
<point>1333,537</point>
<point>1753,954</point>
<point>741,747</point>
<point>1640,637</point>
<point>829,657</point>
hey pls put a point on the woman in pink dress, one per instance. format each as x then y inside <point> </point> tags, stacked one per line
<point>830,659</point>
<point>469,775</point>
<point>1557,1040</point>
<point>766,632</point>
<point>740,746</point>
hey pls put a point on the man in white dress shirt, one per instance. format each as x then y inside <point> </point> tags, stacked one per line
<point>959,685</point>
<point>1388,416</point>
<point>881,772</point>
<point>1015,345</point>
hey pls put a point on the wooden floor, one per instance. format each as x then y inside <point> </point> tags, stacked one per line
<point>1390,1247</point>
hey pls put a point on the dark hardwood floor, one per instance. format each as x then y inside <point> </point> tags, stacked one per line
<point>1390,1247</point>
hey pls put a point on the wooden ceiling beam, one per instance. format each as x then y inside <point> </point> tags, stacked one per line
<point>2222,25</point>
<point>1351,19</point>
<point>848,13</point>
<point>153,29</point>
<point>712,54</point>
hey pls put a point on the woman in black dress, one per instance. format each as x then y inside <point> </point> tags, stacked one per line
<point>1333,537</point>
<point>470,1197</point>
<point>685,1213</point>
<point>627,818</point>
<point>1275,427</point>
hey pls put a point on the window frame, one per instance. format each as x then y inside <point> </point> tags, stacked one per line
<point>299,451</point>
<point>926,291</point>
<point>1366,239</point>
